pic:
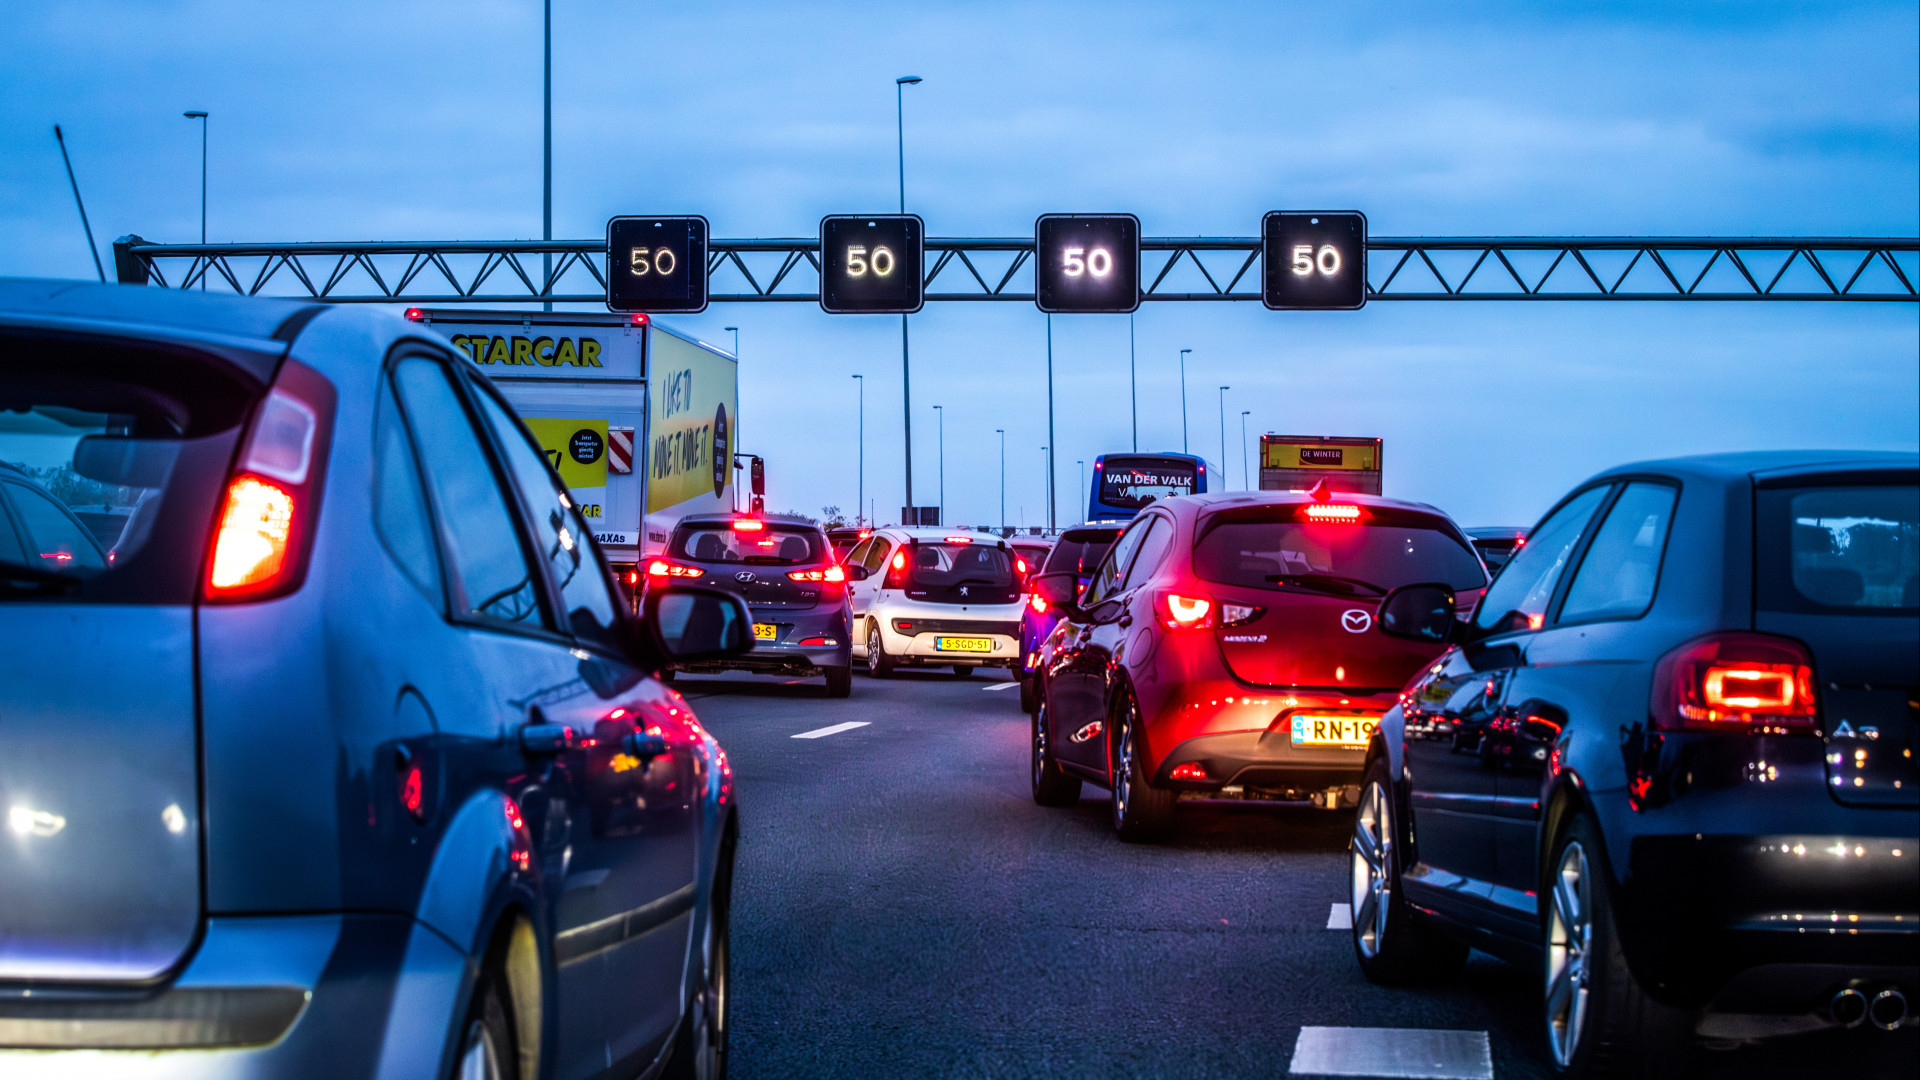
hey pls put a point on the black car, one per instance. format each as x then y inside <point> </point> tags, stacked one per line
<point>1496,545</point>
<point>784,568</point>
<point>1670,760</point>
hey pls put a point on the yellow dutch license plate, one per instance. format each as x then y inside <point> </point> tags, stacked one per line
<point>963,644</point>
<point>1348,731</point>
<point>765,631</point>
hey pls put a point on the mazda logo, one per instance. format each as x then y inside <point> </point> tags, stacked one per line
<point>745,576</point>
<point>1355,621</point>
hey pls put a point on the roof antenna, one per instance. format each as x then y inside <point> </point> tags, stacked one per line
<point>1319,492</point>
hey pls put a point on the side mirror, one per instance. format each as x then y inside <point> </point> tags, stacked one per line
<point>856,572</point>
<point>1060,589</point>
<point>690,623</point>
<point>1419,612</point>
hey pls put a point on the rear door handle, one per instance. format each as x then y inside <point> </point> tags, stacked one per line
<point>541,739</point>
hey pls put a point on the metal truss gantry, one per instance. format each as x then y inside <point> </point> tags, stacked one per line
<point>1173,268</point>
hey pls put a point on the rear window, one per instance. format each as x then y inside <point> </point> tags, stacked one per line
<point>111,461</point>
<point>1840,548</point>
<point>1358,559</point>
<point>775,545</point>
<point>1080,552</point>
<point>945,572</point>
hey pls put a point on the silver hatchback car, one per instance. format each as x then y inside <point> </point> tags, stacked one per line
<point>327,747</point>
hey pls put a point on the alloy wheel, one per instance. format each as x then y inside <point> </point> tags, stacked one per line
<point>1569,953</point>
<point>479,1058</point>
<point>873,650</point>
<point>1039,743</point>
<point>1371,889</point>
<point>710,1012</point>
<point>1122,764</point>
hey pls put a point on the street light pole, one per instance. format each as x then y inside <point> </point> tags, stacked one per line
<point>906,378</point>
<point>735,331</point>
<point>1133,385</point>
<point>202,117</point>
<point>860,505</point>
<point>1223,436</point>
<point>1244,478</point>
<point>1083,474</point>
<point>1046,460</point>
<point>546,168</point>
<point>1050,498</point>
<point>1183,400</point>
<point>940,414</point>
<point>1002,432</point>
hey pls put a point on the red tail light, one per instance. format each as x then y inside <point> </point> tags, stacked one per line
<point>1333,513</point>
<point>661,570</point>
<point>834,574</point>
<point>1020,565</point>
<point>1737,681</point>
<point>1191,770</point>
<point>265,528</point>
<point>1038,603</point>
<point>1186,612</point>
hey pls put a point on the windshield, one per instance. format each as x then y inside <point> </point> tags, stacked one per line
<point>948,572</point>
<point>1133,482</point>
<point>1080,552</point>
<point>774,545</point>
<point>1348,559</point>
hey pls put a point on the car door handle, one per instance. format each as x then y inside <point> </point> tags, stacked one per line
<point>541,739</point>
<point>644,746</point>
<point>1125,620</point>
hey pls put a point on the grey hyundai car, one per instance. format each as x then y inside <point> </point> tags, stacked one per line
<point>326,747</point>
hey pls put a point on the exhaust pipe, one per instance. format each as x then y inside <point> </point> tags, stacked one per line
<point>1849,1007</point>
<point>1888,1010</point>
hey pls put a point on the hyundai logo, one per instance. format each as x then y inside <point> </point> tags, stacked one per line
<point>745,576</point>
<point>1355,621</point>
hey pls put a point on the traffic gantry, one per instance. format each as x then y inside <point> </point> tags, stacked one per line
<point>1314,261</point>
<point>657,264</point>
<point>1086,263</point>
<point>872,263</point>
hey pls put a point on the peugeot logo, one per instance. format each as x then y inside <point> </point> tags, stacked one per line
<point>1355,621</point>
<point>745,576</point>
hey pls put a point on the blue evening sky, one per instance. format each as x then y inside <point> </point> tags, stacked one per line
<point>404,121</point>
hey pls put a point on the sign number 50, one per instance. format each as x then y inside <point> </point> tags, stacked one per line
<point>643,262</point>
<point>1306,260</point>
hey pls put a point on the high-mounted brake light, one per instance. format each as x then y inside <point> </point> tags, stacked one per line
<point>749,525</point>
<point>414,314</point>
<point>1186,612</point>
<point>661,568</point>
<point>958,539</point>
<point>833,574</point>
<point>1737,681</point>
<point>1342,513</point>
<point>639,319</point>
<point>864,533</point>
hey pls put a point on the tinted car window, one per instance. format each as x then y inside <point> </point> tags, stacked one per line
<point>399,504</point>
<point>877,555</point>
<point>1107,578</point>
<point>585,589</point>
<point>1618,573</point>
<point>1153,548</point>
<point>481,533</point>
<point>775,545</point>
<point>961,573</point>
<point>1518,598</point>
<point>56,538</point>
<point>1080,552</point>
<point>1852,548</point>
<point>1348,558</point>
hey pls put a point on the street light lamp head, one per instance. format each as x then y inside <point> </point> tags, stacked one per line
<point>194,115</point>
<point>907,80</point>
<point>729,329</point>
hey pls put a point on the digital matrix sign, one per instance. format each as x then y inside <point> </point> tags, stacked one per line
<point>657,264</point>
<point>1314,261</point>
<point>1086,263</point>
<point>872,263</point>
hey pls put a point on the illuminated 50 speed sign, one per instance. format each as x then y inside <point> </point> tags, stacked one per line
<point>1314,260</point>
<point>657,264</point>
<point>872,263</point>
<point>1086,263</point>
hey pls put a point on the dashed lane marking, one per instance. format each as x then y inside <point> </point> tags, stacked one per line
<point>1001,686</point>
<point>821,733</point>
<point>1409,1053</point>
<point>1340,917</point>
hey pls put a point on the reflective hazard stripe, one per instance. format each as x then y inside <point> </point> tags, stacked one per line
<point>620,449</point>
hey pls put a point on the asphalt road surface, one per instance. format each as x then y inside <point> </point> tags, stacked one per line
<point>902,908</point>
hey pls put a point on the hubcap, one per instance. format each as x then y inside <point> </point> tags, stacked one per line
<point>1039,743</point>
<point>1123,766</point>
<point>709,1032</point>
<point>479,1059</point>
<point>1372,887</point>
<point>873,648</point>
<point>1569,953</point>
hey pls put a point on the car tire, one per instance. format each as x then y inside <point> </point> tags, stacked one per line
<point>700,1043</point>
<point>839,682</point>
<point>1392,946</point>
<point>486,1048</point>
<point>1051,786</point>
<point>879,664</point>
<point>1141,812</point>
<point>1027,701</point>
<point>1599,1022</point>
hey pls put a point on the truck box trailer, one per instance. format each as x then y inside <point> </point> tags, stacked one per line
<point>1298,462</point>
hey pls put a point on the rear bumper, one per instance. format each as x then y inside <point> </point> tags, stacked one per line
<point>1262,764</point>
<point>1242,737</point>
<point>785,655</point>
<point>282,997</point>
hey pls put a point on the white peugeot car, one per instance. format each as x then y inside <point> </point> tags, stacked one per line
<point>934,598</point>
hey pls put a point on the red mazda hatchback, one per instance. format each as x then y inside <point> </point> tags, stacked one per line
<point>1228,647</point>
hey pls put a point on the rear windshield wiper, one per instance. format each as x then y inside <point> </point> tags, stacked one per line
<point>36,579</point>
<point>1327,583</point>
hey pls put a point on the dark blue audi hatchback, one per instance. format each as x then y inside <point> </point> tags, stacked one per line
<point>1670,763</point>
<point>327,748</point>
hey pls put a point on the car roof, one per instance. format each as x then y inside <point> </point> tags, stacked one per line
<point>1208,502</point>
<point>928,532</point>
<point>789,520</point>
<point>259,318</point>
<point>1496,532</point>
<point>1767,464</point>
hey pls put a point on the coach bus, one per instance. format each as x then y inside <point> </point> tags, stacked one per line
<point>1123,484</point>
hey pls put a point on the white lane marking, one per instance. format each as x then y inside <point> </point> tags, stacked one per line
<point>1410,1053</point>
<point>821,733</point>
<point>1001,686</point>
<point>1340,917</point>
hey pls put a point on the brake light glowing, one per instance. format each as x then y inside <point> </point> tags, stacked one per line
<point>661,568</point>
<point>1038,603</point>
<point>414,314</point>
<point>749,525</point>
<point>899,560</point>
<point>1191,770</point>
<point>1339,513</point>
<point>958,539</point>
<point>835,574</point>
<point>1187,612</point>
<point>864,533</point>
<point>1020,565</point>
<point>633,577</point>
<point>255,528</point>
<point>412,793</point>
<point>1758,682</point>
<point>640,319</point>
